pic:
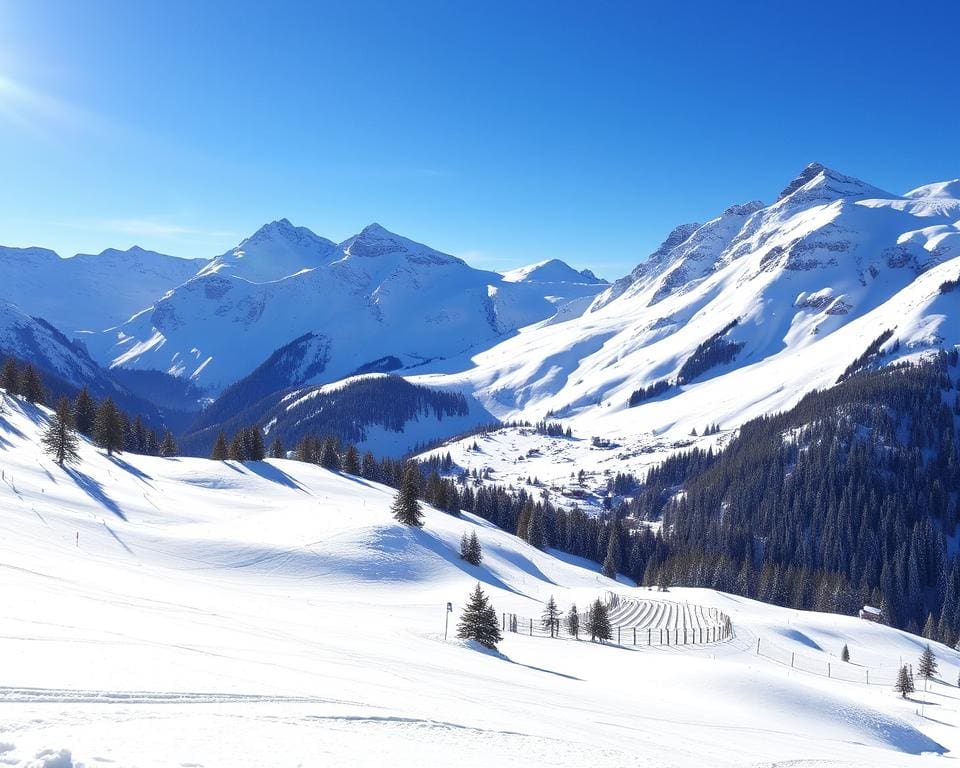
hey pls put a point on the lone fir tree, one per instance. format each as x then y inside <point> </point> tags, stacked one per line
<point>470,549</point>
<point>550,618</point>
<point>479,621</point>
<point>598,622</point>
<point>927,666</point>
<point>31,385</point>
<point>904,684</point>
<point>406,507</point>
<point>845,653</point>
<point>59,438</point>
<point>276,449</point>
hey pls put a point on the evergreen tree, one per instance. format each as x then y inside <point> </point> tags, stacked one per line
<point>276,449</point>
<point>237,450</point>
<point>84,412</point>
<point>220,452</point>
<point>598,622</point>
<point>369,470</point>
<point>328,456</point>
<point>406,507</point>
<point>255,450</point>
<point>930,628</point>
<point>470,549</point>
<point>536,531</point>
<point>845,653</point>
<point>550,618</point>
<point>59,439</point>
<point>351,461</point>
<point>10,377</point>
<point>573,621</point>
<point>169,446</point>
<point>138,443</point>
<point>108,427</point>
<point>153,444</point>
<point>904,684</point>
<point>31,386</point>
<point>475,551</point>
<point>927,666</point>
<point>479,621</point>
<point>611,563</point>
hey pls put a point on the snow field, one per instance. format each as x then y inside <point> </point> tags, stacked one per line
<point>174,612</point>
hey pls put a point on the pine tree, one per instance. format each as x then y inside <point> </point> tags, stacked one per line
<point>328,456</point>
<point>351,461</point>
<point>253,444</point>
<point>573,621</point>
<point>927,666</point>
<point>598,622</point>
<point>930,628</point>
<point>536,532</point>
<point>406,507</point>
<point>904,684</point>
<point>611,563</point>
<point>31,386</point>
<point>479,621</point>
<point>276,449</point>
<point>550,618</point>
<point>169,446</point>
<point>153,444</point>
<point>221,451</point>
<point>845,653</point>
<point>10,377</point>
<point>475,551</point>
<point>470,549</point>
<point>238,449</point>
<point>369,470</point>
<point>108,427</point>
<point>84,412</point>
<point>59,439</point>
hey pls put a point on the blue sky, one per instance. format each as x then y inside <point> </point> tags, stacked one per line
<point>505,133</point>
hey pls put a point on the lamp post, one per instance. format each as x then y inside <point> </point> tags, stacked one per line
<point>446,619</point>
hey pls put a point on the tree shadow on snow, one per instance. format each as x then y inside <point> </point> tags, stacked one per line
<point>272,473</point>
<point>95,491</point>
<point>128,467</point>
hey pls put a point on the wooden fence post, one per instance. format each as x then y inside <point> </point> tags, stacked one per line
<point>634,635</point>
<point>649,636</point>
<point>791,659</point>
<point>758,646</point>
<point>618,635</point>
<point>531,627</point>
<point>828,669</point>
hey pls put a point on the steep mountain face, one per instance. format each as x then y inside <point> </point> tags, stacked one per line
<point>377,301</point>
<point>89,292</point>
<point>769,302</point>
<point>65,366</point>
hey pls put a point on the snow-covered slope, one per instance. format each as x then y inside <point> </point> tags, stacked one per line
<point>375,296</point>
<point>89,292</point>
<point>796,291</point>
<point>273,613</point>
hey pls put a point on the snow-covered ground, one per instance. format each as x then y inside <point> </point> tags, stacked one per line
<point>185,612</point>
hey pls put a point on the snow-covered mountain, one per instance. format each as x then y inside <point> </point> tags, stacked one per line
<point>749,310</point>
<point>89,292</point>
<point>377,301</point>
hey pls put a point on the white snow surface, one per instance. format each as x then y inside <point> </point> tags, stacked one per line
<point>185,612</point>
<point>811,281</point>
<point>373,296</point>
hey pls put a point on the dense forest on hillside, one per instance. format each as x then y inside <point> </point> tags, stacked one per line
<point>849,497</point>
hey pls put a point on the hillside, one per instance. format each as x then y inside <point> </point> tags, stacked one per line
<point>276,598</point>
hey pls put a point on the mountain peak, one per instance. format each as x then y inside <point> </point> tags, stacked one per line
<point>817,183</point>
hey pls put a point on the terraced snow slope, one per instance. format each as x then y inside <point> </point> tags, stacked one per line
<point>184,612</point>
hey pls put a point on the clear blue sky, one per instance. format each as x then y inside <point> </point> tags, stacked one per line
<point>502,132</point>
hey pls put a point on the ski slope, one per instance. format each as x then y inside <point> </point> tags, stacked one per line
<point>185,612</point>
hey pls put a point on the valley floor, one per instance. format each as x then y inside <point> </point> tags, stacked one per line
<point>184,612</point>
